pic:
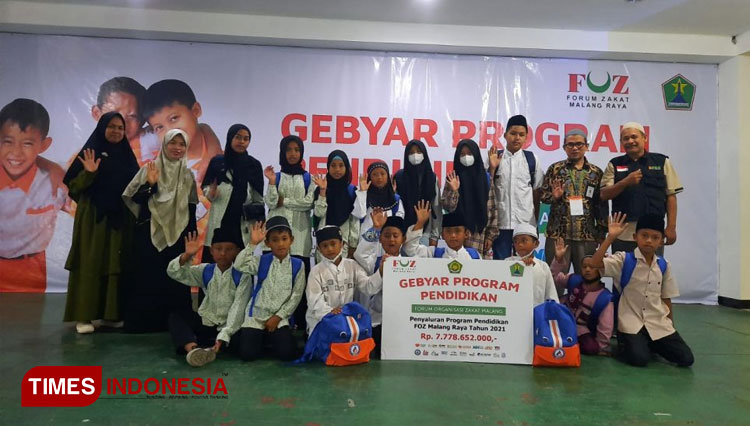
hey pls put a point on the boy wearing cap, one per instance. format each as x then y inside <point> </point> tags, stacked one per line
<point>334,279</point>
<point>641,183</point>
<point>577,213</point>
<point>280,287</point>
<point>647,286</point>
<point>525,241</point>
<point>200,335</point>
<point>516,179</point>
<point>383,240</point>
<point>454,233</point>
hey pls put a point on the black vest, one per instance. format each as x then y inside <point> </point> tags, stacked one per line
<point>649,197</point>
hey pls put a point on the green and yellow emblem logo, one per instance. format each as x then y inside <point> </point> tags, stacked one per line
<point>455,267</point>
<point>679,93</point>
<point>516,270</point>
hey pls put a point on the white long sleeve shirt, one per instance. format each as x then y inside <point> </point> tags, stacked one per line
<point>362,212</point>
<point>222,294</point>
<point>514,191</point>
<point>413,248</point>
<point>331,286</point>
<point>296,208</point>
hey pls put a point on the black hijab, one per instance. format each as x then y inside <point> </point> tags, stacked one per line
<point>291,169</point>
<point>117,168</point>
<point>415,183</point>
<point>380,197</point>
<point>244,170</point>
<point>340,204</point>
<point>474,189</point>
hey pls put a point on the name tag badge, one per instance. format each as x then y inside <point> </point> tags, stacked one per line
<point>589,191</point>
<point>576,205</point>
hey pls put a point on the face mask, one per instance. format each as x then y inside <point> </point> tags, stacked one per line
<point>337,257</point>
<point>416,159</point>
<point>467,160</point>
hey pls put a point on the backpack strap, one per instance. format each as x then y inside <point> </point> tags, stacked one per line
<point>263,266</point>
<point>296,266</point>
<point>352,191</point>
<point>439,252</point>
<point>306,178</point>
<point>531,161</point>
<point>208,273</point>
<point>662,264</point>
<point>377,264</point>
<point>278,179</point>
<point>602,300</point>
<point>394,210</point>
<point>236,277</point>
<point>628,267</point>
<point>473,252</point>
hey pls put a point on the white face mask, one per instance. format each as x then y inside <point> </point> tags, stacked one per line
<point>467,160</point>
<point>325,259</point>
<point>416,159</point>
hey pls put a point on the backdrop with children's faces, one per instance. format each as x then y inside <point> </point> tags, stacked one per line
<point>370,104</point>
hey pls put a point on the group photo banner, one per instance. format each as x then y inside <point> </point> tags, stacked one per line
<point>369,104</point>
<point>451,310</point>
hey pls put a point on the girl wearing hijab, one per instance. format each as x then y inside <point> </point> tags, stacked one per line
<point>468,193</point>
<point>234,186</point>
<point>102,229</point>
<point>376,191</point>
<point>415,182</point>
<point>334,202</point>
<point>163,197</point>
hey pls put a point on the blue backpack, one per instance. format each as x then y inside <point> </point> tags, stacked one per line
<point>555,336</point>
<point>263,267</point>
<point>440,251</point>
<point>341,339</point>
<point>305,178</point>
<point>602,300</point>
<point>208,273</point>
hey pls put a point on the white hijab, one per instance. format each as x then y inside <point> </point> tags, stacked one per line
<point>176,189</point>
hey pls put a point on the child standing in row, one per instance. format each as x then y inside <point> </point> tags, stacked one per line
<point>417,182</point>
<point>334,202</point>
<point>454,233</point>
<point>376,192</point>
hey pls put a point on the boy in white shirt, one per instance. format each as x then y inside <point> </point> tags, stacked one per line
<point>525,240</point>
<point>454,233</point>
<point>334,279</point>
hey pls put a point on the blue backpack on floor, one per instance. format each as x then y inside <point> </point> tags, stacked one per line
<point>341,339</point>
<point>555,336</point>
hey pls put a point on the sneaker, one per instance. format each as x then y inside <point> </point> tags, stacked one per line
<point>199,357</point>
<point>84,327</point>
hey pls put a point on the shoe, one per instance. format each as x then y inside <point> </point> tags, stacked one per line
<point>84,327</point>
<point>199,357</point>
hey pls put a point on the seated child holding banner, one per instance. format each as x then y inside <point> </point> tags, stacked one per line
<point>525,240</point>
<point>646,287</point>
<point>201,334</point>
<point>377,244</point>
<point>280,287</point>
<point>334,279</point>
<point>454,233</point>
<point>588,300</point>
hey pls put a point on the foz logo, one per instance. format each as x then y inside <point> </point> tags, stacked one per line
<point>619,83</point>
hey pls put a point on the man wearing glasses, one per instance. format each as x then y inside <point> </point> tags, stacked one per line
<point>577,213</point>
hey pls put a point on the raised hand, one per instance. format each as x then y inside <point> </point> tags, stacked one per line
<point>560,249</point>
<point>336,310</point>
<point>378,218</point>
<point>152,173</point>
<point>364,185</point>
<point>557,189</point>
<point>494,158</point>
<point>634,178</point>
<point>89,160</point>
<point>321,182</point>
<point>192,244</point>
<point>453,181</point>
<point>423,213</point>
<point>270,175</point>
<point>257,232</point>
<point>616,224</point>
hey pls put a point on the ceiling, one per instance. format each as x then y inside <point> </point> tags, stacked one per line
<point>715,17</point>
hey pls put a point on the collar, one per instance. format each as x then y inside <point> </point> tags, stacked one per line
<point>453,253</point>
<point>641,257</point>
<point>284,260</point>
<point>23,183</point>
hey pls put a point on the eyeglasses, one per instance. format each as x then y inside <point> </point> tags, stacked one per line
<point>576,145</point>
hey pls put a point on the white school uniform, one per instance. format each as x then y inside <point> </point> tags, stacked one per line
<point>413,247</point>
<point>544,284</point>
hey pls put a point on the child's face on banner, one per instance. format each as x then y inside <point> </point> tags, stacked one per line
<point>176,116</point>
<point>127,106</point>
<point>19,148</point>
